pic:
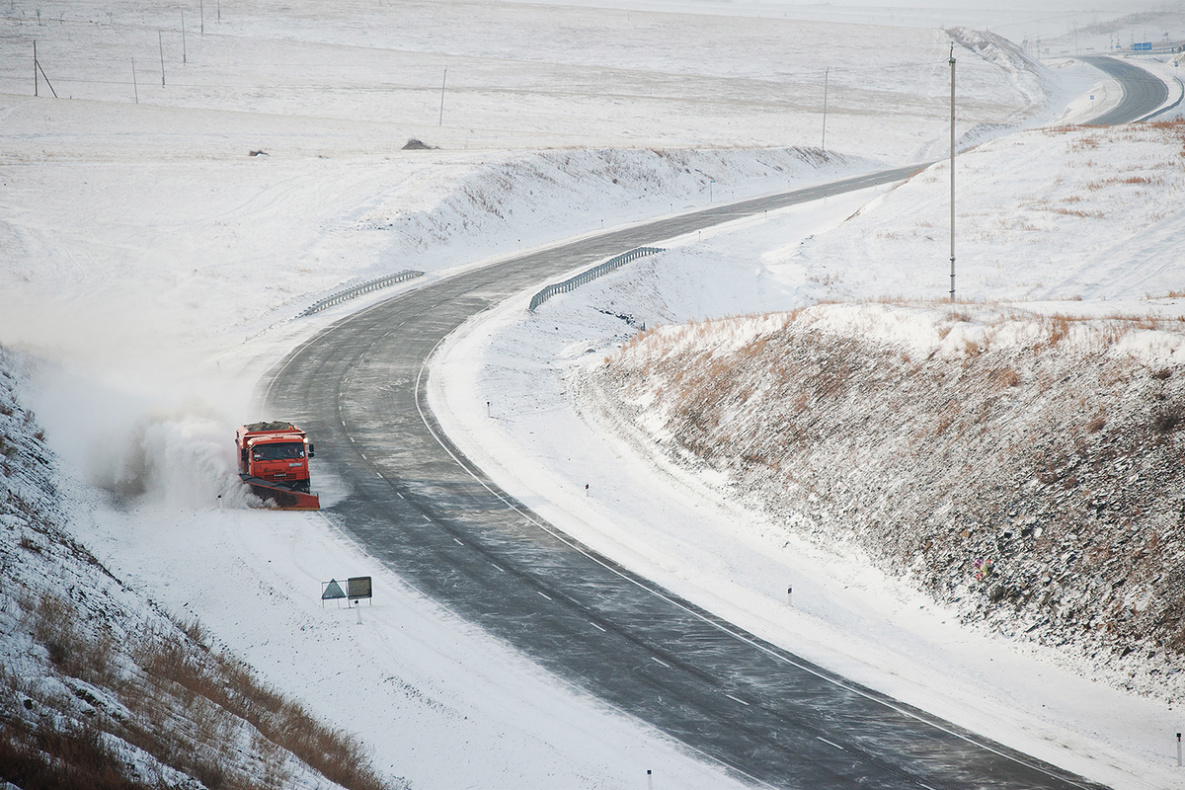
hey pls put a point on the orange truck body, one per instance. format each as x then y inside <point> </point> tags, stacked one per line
<point>274,461</point>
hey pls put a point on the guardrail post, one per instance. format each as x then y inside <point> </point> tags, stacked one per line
<point>588,276</point>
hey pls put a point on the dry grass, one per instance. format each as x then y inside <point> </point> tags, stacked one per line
<point>225,689</point>
<point>56,626</point>
<point>192,709</point>
<point>1005,377</point>
<point>1077,213</point>
<point>80,759</point>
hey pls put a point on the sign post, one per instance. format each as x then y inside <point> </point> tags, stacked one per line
<point>331,591</point>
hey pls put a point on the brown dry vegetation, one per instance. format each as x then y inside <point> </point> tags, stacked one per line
<point>1057,461</point>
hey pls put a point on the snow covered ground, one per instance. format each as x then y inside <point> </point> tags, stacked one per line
<point>155,267</point>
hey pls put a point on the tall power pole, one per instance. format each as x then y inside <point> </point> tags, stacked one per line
<point>826,75</point>
<point>952,172</point>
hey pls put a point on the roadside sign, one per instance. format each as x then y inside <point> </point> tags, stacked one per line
<point>359,587</point>
<point>1142,46</point>
<point>331,590</point>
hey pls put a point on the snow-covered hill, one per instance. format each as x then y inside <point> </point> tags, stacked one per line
<point>199,182</point>
<point>864,441</point>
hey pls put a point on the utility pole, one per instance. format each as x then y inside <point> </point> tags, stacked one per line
<point>826,75</point>
<point>37,68</point>
<point>161,42</point>
<point>443,81</point>
<point>952,172</point>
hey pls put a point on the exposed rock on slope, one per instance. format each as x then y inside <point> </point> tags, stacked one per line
<point>1026,470</point>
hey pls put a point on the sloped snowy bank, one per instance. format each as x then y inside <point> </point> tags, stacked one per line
<point>1019,469</point>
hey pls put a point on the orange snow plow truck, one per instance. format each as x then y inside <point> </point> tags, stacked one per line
<point>274,461</point>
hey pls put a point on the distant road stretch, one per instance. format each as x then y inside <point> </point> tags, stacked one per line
<point>430,516</point>
<point>1143,92</point>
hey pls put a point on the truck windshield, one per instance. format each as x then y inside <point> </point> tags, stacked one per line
<point>277,452</point>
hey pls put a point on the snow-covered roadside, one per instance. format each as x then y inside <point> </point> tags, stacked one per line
<point>148,250</point>
<point>540,443</point>
<point>436,702</point>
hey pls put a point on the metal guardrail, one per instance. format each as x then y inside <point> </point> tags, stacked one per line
<point>587,277</point>
<point>358,290</point>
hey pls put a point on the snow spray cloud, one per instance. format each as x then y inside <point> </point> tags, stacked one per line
<point>142,452</point>
<point>183,459</point>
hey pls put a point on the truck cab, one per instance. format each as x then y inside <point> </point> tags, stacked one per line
<point>273,459</point>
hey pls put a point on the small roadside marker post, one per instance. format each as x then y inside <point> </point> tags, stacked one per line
<point>649,780</point>
<point>1178,750</point>
<point>789,596</point>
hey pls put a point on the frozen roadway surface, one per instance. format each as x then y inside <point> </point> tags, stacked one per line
<point>1143,92</point>
<point>418,506</point>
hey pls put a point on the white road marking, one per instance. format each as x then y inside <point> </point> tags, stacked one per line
<point>829,743</point>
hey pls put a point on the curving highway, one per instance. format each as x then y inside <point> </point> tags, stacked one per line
<point>424,511</point>
<point>1143,92</point>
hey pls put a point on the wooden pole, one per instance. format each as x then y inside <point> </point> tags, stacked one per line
<point>37,68</point>
<point>160,40</point>
<point>135,87</point>
<point>442,84</point>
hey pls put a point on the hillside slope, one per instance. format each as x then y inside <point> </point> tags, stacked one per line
<point>100,688</point>
<point>1023,470</point>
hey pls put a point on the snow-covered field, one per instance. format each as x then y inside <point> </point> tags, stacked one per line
<point>153,267</point>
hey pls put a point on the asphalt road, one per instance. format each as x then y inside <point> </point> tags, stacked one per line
<point>430,516</point>
<point>1143,92</point>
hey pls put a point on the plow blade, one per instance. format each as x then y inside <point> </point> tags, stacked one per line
<point>284,498</point>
